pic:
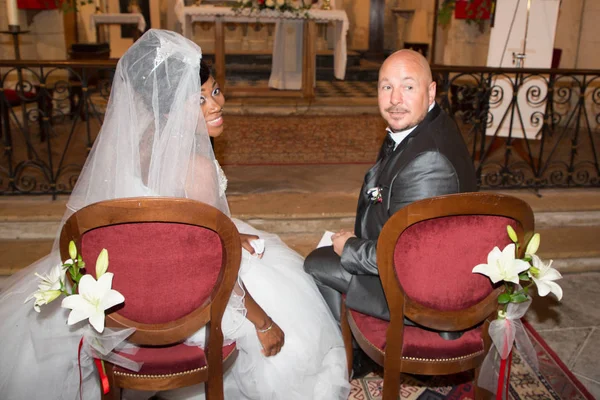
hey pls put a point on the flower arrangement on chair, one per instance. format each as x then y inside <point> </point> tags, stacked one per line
<point>507,330</point>
<point>88,299</point>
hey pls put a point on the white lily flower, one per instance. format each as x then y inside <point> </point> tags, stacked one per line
<point>101,263</point>
<point>502,265</point>
<point>49,287</point>
<point>93,299</point>
<point>533,245</point>
<point>543,276</point>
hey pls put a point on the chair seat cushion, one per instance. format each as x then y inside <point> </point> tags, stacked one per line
<point>419,343</point>
<point>170,359</point>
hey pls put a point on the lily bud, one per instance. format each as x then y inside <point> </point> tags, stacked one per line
<point>511,233</point>
<point>72,250</point>
<point>533,244</point>
<point>50,295</point>
<point>101,263</point>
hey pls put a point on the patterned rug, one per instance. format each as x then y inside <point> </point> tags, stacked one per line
<point>261,140</point>
<point>552,381</point>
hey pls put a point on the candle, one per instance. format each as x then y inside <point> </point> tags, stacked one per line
<point>13,12</point>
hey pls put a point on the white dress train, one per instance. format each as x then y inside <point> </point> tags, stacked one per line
<point>38,352</point>
<point>312,362</point>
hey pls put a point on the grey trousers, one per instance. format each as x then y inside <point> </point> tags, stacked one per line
<point>331,279</point>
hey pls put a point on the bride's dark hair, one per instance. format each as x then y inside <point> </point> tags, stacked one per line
<point>204,72</point>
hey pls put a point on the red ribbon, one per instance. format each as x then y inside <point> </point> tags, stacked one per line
<point>101,371</point>
<point>103,377</point>
<point>504,366</point>
<point>79,364</point>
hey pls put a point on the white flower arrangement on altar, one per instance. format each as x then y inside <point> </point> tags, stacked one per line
<point>297,7</point>
<point>88,298</point>
<point>507,330</point>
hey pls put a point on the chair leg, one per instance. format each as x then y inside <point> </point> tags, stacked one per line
<point>391,379</point>
<point>478,392</point>
<point>115,391</point>
<point>347,337</point>
<point>214,383</point>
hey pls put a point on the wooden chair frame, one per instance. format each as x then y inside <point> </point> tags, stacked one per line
<point>169,210</point>
<point>401,305</point>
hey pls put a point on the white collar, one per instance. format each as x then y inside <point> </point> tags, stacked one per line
<point>398,137</point>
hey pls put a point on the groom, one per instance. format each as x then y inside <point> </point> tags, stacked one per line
<point>423,155</point>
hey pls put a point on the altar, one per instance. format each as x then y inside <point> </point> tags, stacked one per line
<point>98,20</point>
<point>294,52</point>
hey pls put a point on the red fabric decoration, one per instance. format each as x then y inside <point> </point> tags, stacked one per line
<point>164,270</point>
<point>38,4</point>
<point>170,360</point>
<point>15,98</point>
<point>419,342</point>
<point>472,9</point>
<point>434,259</point>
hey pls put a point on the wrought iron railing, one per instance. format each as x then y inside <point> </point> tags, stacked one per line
<point>50,113</point>
<point>525,128</point>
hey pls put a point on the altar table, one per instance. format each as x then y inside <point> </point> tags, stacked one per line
<point>302,74</point>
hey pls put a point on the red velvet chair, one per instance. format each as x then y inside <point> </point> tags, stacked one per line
<point>176,262</point>
<point>426,252</point>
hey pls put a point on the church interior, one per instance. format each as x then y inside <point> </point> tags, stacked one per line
<point>521,79</point>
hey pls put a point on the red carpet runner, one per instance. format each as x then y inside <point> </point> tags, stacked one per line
<point>552,381</point>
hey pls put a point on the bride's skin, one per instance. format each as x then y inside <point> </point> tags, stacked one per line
<point>212,101</point>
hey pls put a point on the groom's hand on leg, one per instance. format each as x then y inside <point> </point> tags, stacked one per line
<point>339,240</point>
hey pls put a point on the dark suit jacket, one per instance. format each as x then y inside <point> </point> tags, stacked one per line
<point>432,161</point>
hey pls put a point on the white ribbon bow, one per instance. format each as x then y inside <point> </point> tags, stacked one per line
<point>504,333</point>
<point>104,346</point>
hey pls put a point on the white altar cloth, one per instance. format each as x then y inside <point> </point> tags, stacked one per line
<point>117,18</point>
<point>282,76</point>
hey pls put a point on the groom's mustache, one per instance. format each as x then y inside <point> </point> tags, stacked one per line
<point>396,110</point>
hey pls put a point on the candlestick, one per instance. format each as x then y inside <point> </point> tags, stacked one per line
<point>13,13</point>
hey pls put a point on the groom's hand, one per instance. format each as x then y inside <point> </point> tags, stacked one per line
<point>339,240</point>
<point>246,239</point>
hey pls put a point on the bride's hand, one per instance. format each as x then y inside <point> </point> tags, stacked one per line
<point>246,239</point>
<point>271,339</point>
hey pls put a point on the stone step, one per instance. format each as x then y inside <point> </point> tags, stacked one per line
<point>573,248</point>
<point>569,220</point>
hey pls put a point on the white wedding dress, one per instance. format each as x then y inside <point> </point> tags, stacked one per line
<point>154,141</point>
<point>312,362</point>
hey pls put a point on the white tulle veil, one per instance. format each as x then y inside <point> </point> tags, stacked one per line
<point>153,142</point>
<point>154,139</point>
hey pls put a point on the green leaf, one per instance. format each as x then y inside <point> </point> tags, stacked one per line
<point>518,298</point>
<point>504,298</point>
<point>524,277</point>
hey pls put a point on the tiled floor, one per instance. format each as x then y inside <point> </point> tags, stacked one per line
<point>572,327</point>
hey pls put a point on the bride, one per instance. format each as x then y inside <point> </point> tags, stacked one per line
<point>155,140</point>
